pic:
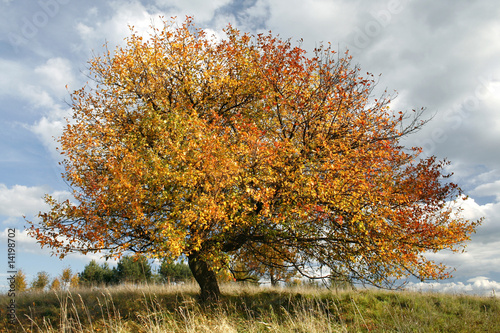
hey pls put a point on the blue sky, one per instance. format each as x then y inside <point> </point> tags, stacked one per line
<point>441,55</point>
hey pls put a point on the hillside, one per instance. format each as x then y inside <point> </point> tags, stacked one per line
<point>249,309</point>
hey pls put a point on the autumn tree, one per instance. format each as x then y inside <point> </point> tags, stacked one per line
<point>56,284</point>
<point>237,147</point>
<point>75,281</point>
<point>66,275</point>
<point>20,281</point>
<point>68,279</point>
<point>40,281</point>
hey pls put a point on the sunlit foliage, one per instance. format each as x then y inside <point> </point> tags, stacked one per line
<point>248,148</point>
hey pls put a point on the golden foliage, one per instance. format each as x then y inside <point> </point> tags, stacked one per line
<point>247,147</point>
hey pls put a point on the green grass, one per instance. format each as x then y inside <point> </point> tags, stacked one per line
<point>249,309</point>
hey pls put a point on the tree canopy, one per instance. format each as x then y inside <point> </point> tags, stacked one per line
<point>246,147</point>
<point>133,270</point>
<point>175,272</point>
<point>129,269</point>
<point>95,275</point>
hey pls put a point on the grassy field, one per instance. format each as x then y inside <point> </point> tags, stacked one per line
<point>249,309</point>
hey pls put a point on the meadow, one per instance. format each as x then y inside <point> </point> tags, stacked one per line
<point>247,308</point>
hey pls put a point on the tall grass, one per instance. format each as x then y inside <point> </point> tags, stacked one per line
<point>249,309</point>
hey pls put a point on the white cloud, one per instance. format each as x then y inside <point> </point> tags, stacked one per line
<point>488,189</point>
<point>20,200</point>
<point>13,74</point>
<point>202,10</point>
<point>86,32</point>
<point>479,286</point>
<point>55,74</point>
<point>471,209</point>
<point>260,9</point>
<point>480,258</point>
<point>50,127</point>
<point>484,285</point>
<point>24,242</point>
<point>39,85</point>
<point>489,230</point>
<point>42,87</point>
<point>95,32</point>
<point>314,21</point>
<point>37,96</point>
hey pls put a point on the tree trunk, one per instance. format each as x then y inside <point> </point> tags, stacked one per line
<point>206,278</point>
<point>274,281</point>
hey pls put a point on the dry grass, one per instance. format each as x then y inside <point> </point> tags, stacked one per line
<point>156,309</point>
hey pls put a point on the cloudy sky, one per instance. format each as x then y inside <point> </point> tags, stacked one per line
<point>442,55</point>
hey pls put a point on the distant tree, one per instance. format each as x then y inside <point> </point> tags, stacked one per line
<point>341,283</point>
<point>95,274</point>
<point>56,284</point>
<point>41,281</point>
<point>175,272</point>
<point>75,281</point>
<point>68,279</point>
<point>134,269</point>
<point>66,275</point>
<point>20,281</point>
